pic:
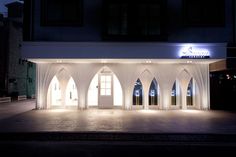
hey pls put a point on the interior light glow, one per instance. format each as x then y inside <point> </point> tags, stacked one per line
<point>54,93</point>
<point>118,94</point>
<point>71,93</point>
<point>93,92</point>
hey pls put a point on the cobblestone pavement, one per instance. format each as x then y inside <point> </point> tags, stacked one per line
<point>95,132</point>
<point>18,107</point>
<point>20,117</point>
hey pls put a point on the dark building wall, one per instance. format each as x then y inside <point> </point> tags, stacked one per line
<point>234,20</point>
<point>3,56</point>
<point>179,31</point>
<point>17,67</point>
<point>17,75</point>
<point>21,73</point>
<point>31,80</point>
<point>223,90</point>
<point>91,29</point>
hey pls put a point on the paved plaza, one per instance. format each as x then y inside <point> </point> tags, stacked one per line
<point>8,110</point>
<point>95,132</point>
<point>21,117</point>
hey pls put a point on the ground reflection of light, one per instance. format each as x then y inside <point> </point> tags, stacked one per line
<point>105,112</point>
<point>58,110</point>
<point>191,111</point>
<point>148,111</point>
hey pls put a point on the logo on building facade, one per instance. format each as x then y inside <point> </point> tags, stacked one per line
<point>194,53</point>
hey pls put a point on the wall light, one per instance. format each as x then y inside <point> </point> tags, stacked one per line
<point>148,61</point>
<point>59,61</point>
<point>104,61</point>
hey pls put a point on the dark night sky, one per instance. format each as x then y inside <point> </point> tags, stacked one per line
<point>3,9</point>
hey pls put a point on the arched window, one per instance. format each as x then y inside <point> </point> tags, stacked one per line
<point>54,93</point>
<point>190,93</point>
<point>98,83</point>
<point>71,93</point>
<point>173,94</point>
<point>153,93</point>
<point>138,93</point>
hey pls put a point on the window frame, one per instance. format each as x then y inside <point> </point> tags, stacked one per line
<point>205,19</point>
<point>61,23</point>
<point>130,34</point>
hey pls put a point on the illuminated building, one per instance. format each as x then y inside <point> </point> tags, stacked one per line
<point>125,54</point>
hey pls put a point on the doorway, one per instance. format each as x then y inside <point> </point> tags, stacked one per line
<point>105,91</point>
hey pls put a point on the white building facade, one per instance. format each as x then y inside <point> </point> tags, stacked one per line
<point>176,78</point>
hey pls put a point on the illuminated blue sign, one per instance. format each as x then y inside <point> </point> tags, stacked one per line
<point>191,52</point>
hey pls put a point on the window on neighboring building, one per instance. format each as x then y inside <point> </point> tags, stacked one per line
<point>148,19</point>
<point>204,12</point>
<point>117,19</point>
<point>134,20</point>
<point>61,12</point>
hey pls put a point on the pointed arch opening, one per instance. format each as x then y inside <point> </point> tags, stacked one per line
<point>189,95</point>
<point>105,90</point>
<point>117,90</point>
<point>62,91</point>
<point>153,93</point>
<point>193,95</point>
<point>138,93</point>
<point>174,95</point>
<point>71,93</point>
<point>54,95</point>
<point>92,97</point>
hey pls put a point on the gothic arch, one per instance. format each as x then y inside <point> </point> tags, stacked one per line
<point>116,78</point>
<point>184,79</point>
<point>154,93</point>
<point>63,78</point>
<point>138,93</point>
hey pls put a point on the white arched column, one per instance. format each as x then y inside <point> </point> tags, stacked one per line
<point>44,75</point>
<point>63,78</point>
<point>89,79</point>
<point>82,97</point>
<point>128,97</point>
<point>146,78</point>
<point>127,74</point>
<point>184,78</point>
<point>165,97</point>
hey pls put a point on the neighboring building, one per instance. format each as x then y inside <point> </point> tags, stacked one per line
<point>17,74</point>
<point>130,54</point>
<point>3,56</point>
<point>223,74</point>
